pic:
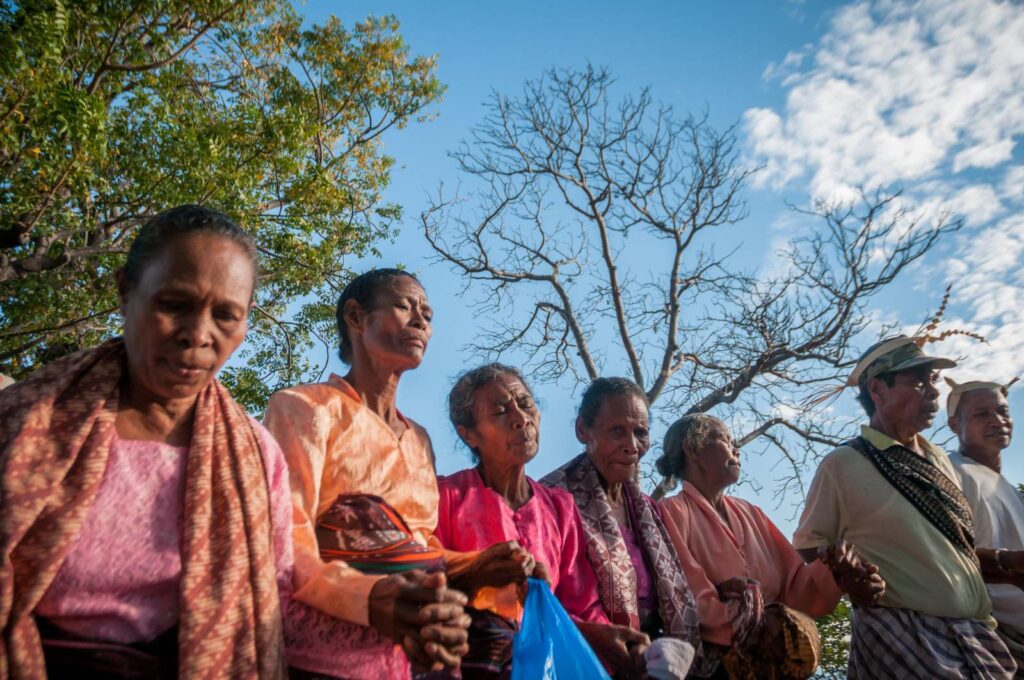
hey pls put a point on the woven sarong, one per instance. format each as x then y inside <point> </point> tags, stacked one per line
<point>1013,638</point>
<point>928,489</point>
<point>57,427</point>
<point>897,644</point>
<point>369,535</point>
<point>606,549</point>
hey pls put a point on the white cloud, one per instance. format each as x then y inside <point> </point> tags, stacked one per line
<point>897,91</point>
<point>927,95</point>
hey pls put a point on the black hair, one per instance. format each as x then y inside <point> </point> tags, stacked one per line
<point>461,399</point>
<point>362,289</point>
<point>602,388</point>
<point>864,397</point>
<point>156,234</point>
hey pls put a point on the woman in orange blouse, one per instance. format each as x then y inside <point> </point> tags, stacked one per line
<point>347,436</point>
<point>733,554</point>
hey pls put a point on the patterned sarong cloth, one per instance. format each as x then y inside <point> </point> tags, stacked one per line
<point>901,643</point>
<point>606,549</point>
<point>928,489</point>
<point>369,535</point>
<point>1013,638</point>
<point>57,428</point>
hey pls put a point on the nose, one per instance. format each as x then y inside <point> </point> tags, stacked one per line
<point>196,330</point>
<point>419,319</point>
<point>520,418</point>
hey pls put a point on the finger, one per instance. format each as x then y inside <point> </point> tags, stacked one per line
<point>439,653</point>
<point>449,636</point>
<point>439,613</point>
<point>416,654</point>
<point>421,594</point>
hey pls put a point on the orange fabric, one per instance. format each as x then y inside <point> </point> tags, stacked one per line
<point>750,545</point>
<point>336,445</point>
<point>58,426</point>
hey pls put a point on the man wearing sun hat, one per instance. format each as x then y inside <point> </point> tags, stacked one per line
<point>979,414</point>
<point>894,496</point>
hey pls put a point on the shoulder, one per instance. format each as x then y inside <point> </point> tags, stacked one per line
<point>462,479</point>
<point>554,496</point>
<point>307,397</point>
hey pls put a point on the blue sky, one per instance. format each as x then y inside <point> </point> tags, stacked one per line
<point>828,95</point>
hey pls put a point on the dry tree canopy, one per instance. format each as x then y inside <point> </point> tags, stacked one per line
<point>587,224</point>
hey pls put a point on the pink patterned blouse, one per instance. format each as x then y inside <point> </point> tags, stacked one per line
<point>473,517</point>
<point>119,582</point>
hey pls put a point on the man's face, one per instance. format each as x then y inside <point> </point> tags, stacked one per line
<point>982,421</point>
<point>912,401</point>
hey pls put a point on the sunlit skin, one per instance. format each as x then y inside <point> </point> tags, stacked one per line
<point>908,407</point>
<point>616,440</point>
<point>715,466</point>
<point>505,435</point>
<point>183,318</point>
<point>389,337</point>
<point>983,425</point>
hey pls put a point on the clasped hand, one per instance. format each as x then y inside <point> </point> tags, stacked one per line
<point>855,575</point>
<point>419,612</point>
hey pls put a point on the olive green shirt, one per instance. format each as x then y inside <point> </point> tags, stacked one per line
<point>850,499</point>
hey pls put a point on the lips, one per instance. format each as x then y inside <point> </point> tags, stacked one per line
<point>415,341</point>
<point>187,370</point>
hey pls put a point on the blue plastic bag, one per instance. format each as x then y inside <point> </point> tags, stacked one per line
<point>548,645</point>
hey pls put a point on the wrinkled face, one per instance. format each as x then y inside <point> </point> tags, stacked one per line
<point>505,433</point>
<point>186,315</point>
<point>982,421</point>
<point>395,330</point>
<point>718,460</point>
<point>617,438</point>
<point>912,401</point>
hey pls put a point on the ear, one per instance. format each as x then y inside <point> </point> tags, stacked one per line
<point>954,424</point>
<point>354,315</point>
<point>878,390</point>
<point>122,288</point>
<point>468,436</point>
<point>582,434</point>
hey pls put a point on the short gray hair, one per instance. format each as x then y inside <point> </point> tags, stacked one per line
<point>689,433</point>
<point>462,397</point>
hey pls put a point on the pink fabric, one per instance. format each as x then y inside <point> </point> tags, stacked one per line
<point>120,580</point>
<point>749,545</point>
<point>473,517</point>
<point>646,596</point>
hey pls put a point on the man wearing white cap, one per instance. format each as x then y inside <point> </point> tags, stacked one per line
<point>980,416</point>
<point>895,497</point>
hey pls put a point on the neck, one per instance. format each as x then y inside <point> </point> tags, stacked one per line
<point>141,415</point>
<point>715,495</point>
<point>991,459</point>
<point>377,387</point>
<point>902,432</point>
<point>509,482</point>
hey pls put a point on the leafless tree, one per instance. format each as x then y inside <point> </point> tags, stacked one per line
<point>589,228</point>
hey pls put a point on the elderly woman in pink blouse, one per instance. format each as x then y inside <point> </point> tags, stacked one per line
<point>743,572</point>
<point>146,520</point>
<point>495,415</point>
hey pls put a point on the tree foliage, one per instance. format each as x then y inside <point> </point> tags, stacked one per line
<point>834,630</point>
<point>113,111</point>
<point>565,187</point>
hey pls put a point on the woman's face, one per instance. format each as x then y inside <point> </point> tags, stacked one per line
<point>718,460</point>
<point>396,328</point>
<point>617,438</point>
<point>505,433</point>
<point>186,314</point>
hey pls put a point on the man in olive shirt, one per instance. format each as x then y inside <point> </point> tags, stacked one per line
<point>895,496</point>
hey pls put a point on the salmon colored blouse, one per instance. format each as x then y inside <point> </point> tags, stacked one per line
<point>334,444</point>
<point>712,550</point>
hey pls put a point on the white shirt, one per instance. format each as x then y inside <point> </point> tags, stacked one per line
<point>998,509</point>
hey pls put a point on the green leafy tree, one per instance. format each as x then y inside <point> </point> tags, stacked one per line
<point>834,630</point>
<point>113,111</point>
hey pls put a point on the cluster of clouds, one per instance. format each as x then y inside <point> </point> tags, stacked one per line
<point>926,95</point>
